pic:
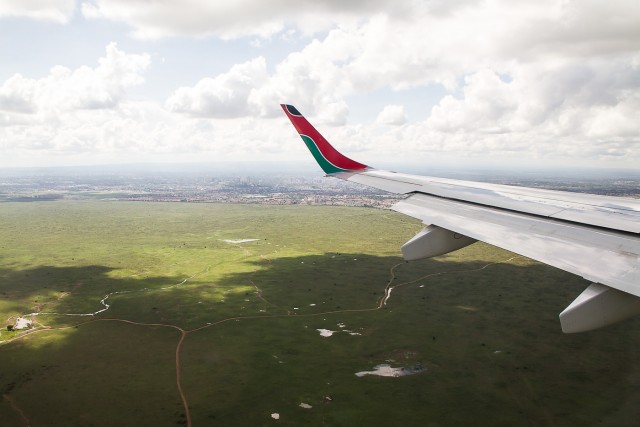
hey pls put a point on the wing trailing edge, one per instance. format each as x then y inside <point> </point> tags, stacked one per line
<point>596,237</point>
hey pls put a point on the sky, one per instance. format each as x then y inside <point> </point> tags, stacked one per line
<point>500,83</point>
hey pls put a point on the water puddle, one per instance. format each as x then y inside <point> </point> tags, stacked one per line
<point>385,370</point>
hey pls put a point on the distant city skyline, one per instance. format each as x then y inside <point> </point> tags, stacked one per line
<point>546,84</point>
<point>263,186</point>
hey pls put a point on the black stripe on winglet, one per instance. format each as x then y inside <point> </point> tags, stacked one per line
<point>293,110</point>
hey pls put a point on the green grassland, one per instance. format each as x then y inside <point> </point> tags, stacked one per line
<point>488,338</point>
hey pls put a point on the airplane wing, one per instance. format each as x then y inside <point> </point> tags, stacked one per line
<point>596,237</point>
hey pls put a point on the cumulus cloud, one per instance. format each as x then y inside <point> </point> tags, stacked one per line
<point>157,18</point>
<point>560,92</point>
<point>309,78</point>
<point>75,110</point>
<point>16,95</point>
<point>312,79</point>
<point>439,42</point>
<point>84,115</point>
<point>83,88</point>
<point>59,11</point>
<point>571,99</point>
<point>553,78</point>
<point>567,111</point>
<point>224,96</point>
<point>392,115</point>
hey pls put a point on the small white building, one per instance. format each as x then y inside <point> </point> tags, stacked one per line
<point>22,323</point>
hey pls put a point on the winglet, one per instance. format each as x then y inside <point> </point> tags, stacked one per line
<point>330,160</point>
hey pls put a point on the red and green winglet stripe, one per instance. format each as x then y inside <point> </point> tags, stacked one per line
<point>329,159</point>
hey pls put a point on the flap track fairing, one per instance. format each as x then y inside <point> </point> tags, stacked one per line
<point>598,306</point>
<point>434,241</point>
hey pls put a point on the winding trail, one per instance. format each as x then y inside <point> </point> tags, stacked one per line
<point>381,303</point>
<point>183,397</point>
<point>15,407</point>
<point>106,306</point>
<point>389,288</point>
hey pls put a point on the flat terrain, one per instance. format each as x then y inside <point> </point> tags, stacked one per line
<point>205,332</point>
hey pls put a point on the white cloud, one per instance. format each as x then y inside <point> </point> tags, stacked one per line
<point>82,88</point>
<point>312,79</point>
<point>439,42</point>
<point>552,78</point>
<point>59,11</point>
<point>392,115</point>
<point>73,110</point>
<point>16,95</point>
<point>84,115</point>
<point>401,44</point>
<point>224,96</point>
<point>309,78</point>
<point>578,100</point>
<point>157,18</point>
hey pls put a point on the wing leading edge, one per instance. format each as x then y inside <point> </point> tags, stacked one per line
<point>596,237</point>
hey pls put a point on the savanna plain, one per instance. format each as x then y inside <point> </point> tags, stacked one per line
<point>170,314</point>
